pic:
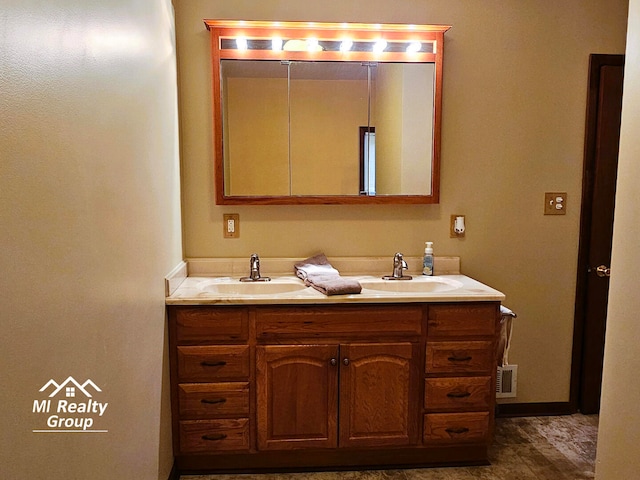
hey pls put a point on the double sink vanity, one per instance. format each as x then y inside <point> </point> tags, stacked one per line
<point>276,375</point>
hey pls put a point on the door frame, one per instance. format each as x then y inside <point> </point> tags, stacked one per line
<point>596,61</point>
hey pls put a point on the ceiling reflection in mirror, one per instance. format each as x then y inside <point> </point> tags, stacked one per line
<point>295,128</point>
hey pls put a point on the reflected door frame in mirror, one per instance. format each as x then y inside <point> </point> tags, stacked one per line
<point>254,40</point>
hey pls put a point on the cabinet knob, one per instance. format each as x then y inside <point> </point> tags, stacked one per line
<point>333,362</point>
<point>345,361</point>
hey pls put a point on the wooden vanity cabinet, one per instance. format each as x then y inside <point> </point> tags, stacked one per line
<point>338,385</point>
<point>210,379</point>
<point>299,405</point>
<point>460,373</point>
<point>337,377</point>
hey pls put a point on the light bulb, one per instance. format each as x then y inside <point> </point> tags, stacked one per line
<point>312,45</point>
<point>241,43</point>
<point>379,46</point>
<point>414,47</point>
<point>346,45</point>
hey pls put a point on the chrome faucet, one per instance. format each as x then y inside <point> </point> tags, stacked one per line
<point>254,270</point>
<point>399,264</point>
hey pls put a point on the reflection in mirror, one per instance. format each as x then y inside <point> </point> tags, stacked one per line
<point>255,127</point>
<point>402,101</point>
<point>329,102</point>
<point>307,128</point>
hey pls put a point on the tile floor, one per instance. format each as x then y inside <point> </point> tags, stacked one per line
<point>526,448</point>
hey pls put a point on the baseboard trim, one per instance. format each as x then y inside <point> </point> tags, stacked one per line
<point>174,475</point>
<point>534,409</point>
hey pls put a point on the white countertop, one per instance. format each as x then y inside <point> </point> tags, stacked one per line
<point>200,290</point>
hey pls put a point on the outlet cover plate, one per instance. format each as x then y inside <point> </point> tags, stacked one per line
<point>555,203</point>
<point>231,225</point>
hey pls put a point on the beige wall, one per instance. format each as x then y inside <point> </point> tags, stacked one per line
<point>90,222</point>
<point>515,80</point>
<point>619,432</point>
<point>256,109</point>
<point>328,137</point>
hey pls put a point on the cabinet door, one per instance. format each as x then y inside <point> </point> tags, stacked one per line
<point>379,394</point>
<point>297,404</point>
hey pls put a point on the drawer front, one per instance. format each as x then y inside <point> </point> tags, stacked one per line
<point>448,428</point>
<point>460,393</point>
<point>211,364</point>
<point>211,325</point>
<point>462,319</point>
<point>211,436</point>
<point>212,400</point>
<point>310,322</point>
<point>460,357</point>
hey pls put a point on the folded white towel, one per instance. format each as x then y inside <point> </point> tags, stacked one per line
<point>303,271</point>
<point>316,265</point>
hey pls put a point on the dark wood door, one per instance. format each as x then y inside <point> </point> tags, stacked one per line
<point>297,396</point>
<point>599,184</point>
<point>378,394</point>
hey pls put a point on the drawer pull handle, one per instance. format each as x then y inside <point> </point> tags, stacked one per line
<point>457,430</point>
<point>213,438</point>
<point>213,401</point>
<point>221,363</point>
<point>458,394</point>
<point>333,362</point>
<point>459,359</point>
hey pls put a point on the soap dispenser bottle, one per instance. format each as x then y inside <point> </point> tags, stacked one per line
<point>427,260</point>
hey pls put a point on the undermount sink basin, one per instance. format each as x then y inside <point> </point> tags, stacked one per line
<point>236,287</point>
<point>416,285</point>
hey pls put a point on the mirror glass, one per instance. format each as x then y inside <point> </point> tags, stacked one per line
<point>325,128</point>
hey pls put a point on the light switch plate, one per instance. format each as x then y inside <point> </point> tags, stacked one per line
<point>555,203</point>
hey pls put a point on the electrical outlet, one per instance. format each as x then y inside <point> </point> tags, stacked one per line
<point>555,203</point>
<point>231,225</point>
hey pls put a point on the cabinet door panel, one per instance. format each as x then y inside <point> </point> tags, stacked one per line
<point>338,321</point>
<point>461,319</point>
<point>213,400</point>
<point>378,392</point>
<point>203,326</point>
<point>213,436</point>
<point>460,357</point>
<point>447,428</point>
<point>213,363</point>
<point>457,393</point>
<point>297,388</point>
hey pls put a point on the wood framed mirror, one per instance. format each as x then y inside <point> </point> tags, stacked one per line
<point>293,103</point>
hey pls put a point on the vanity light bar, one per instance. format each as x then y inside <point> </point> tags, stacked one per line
<point>315,45</point>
